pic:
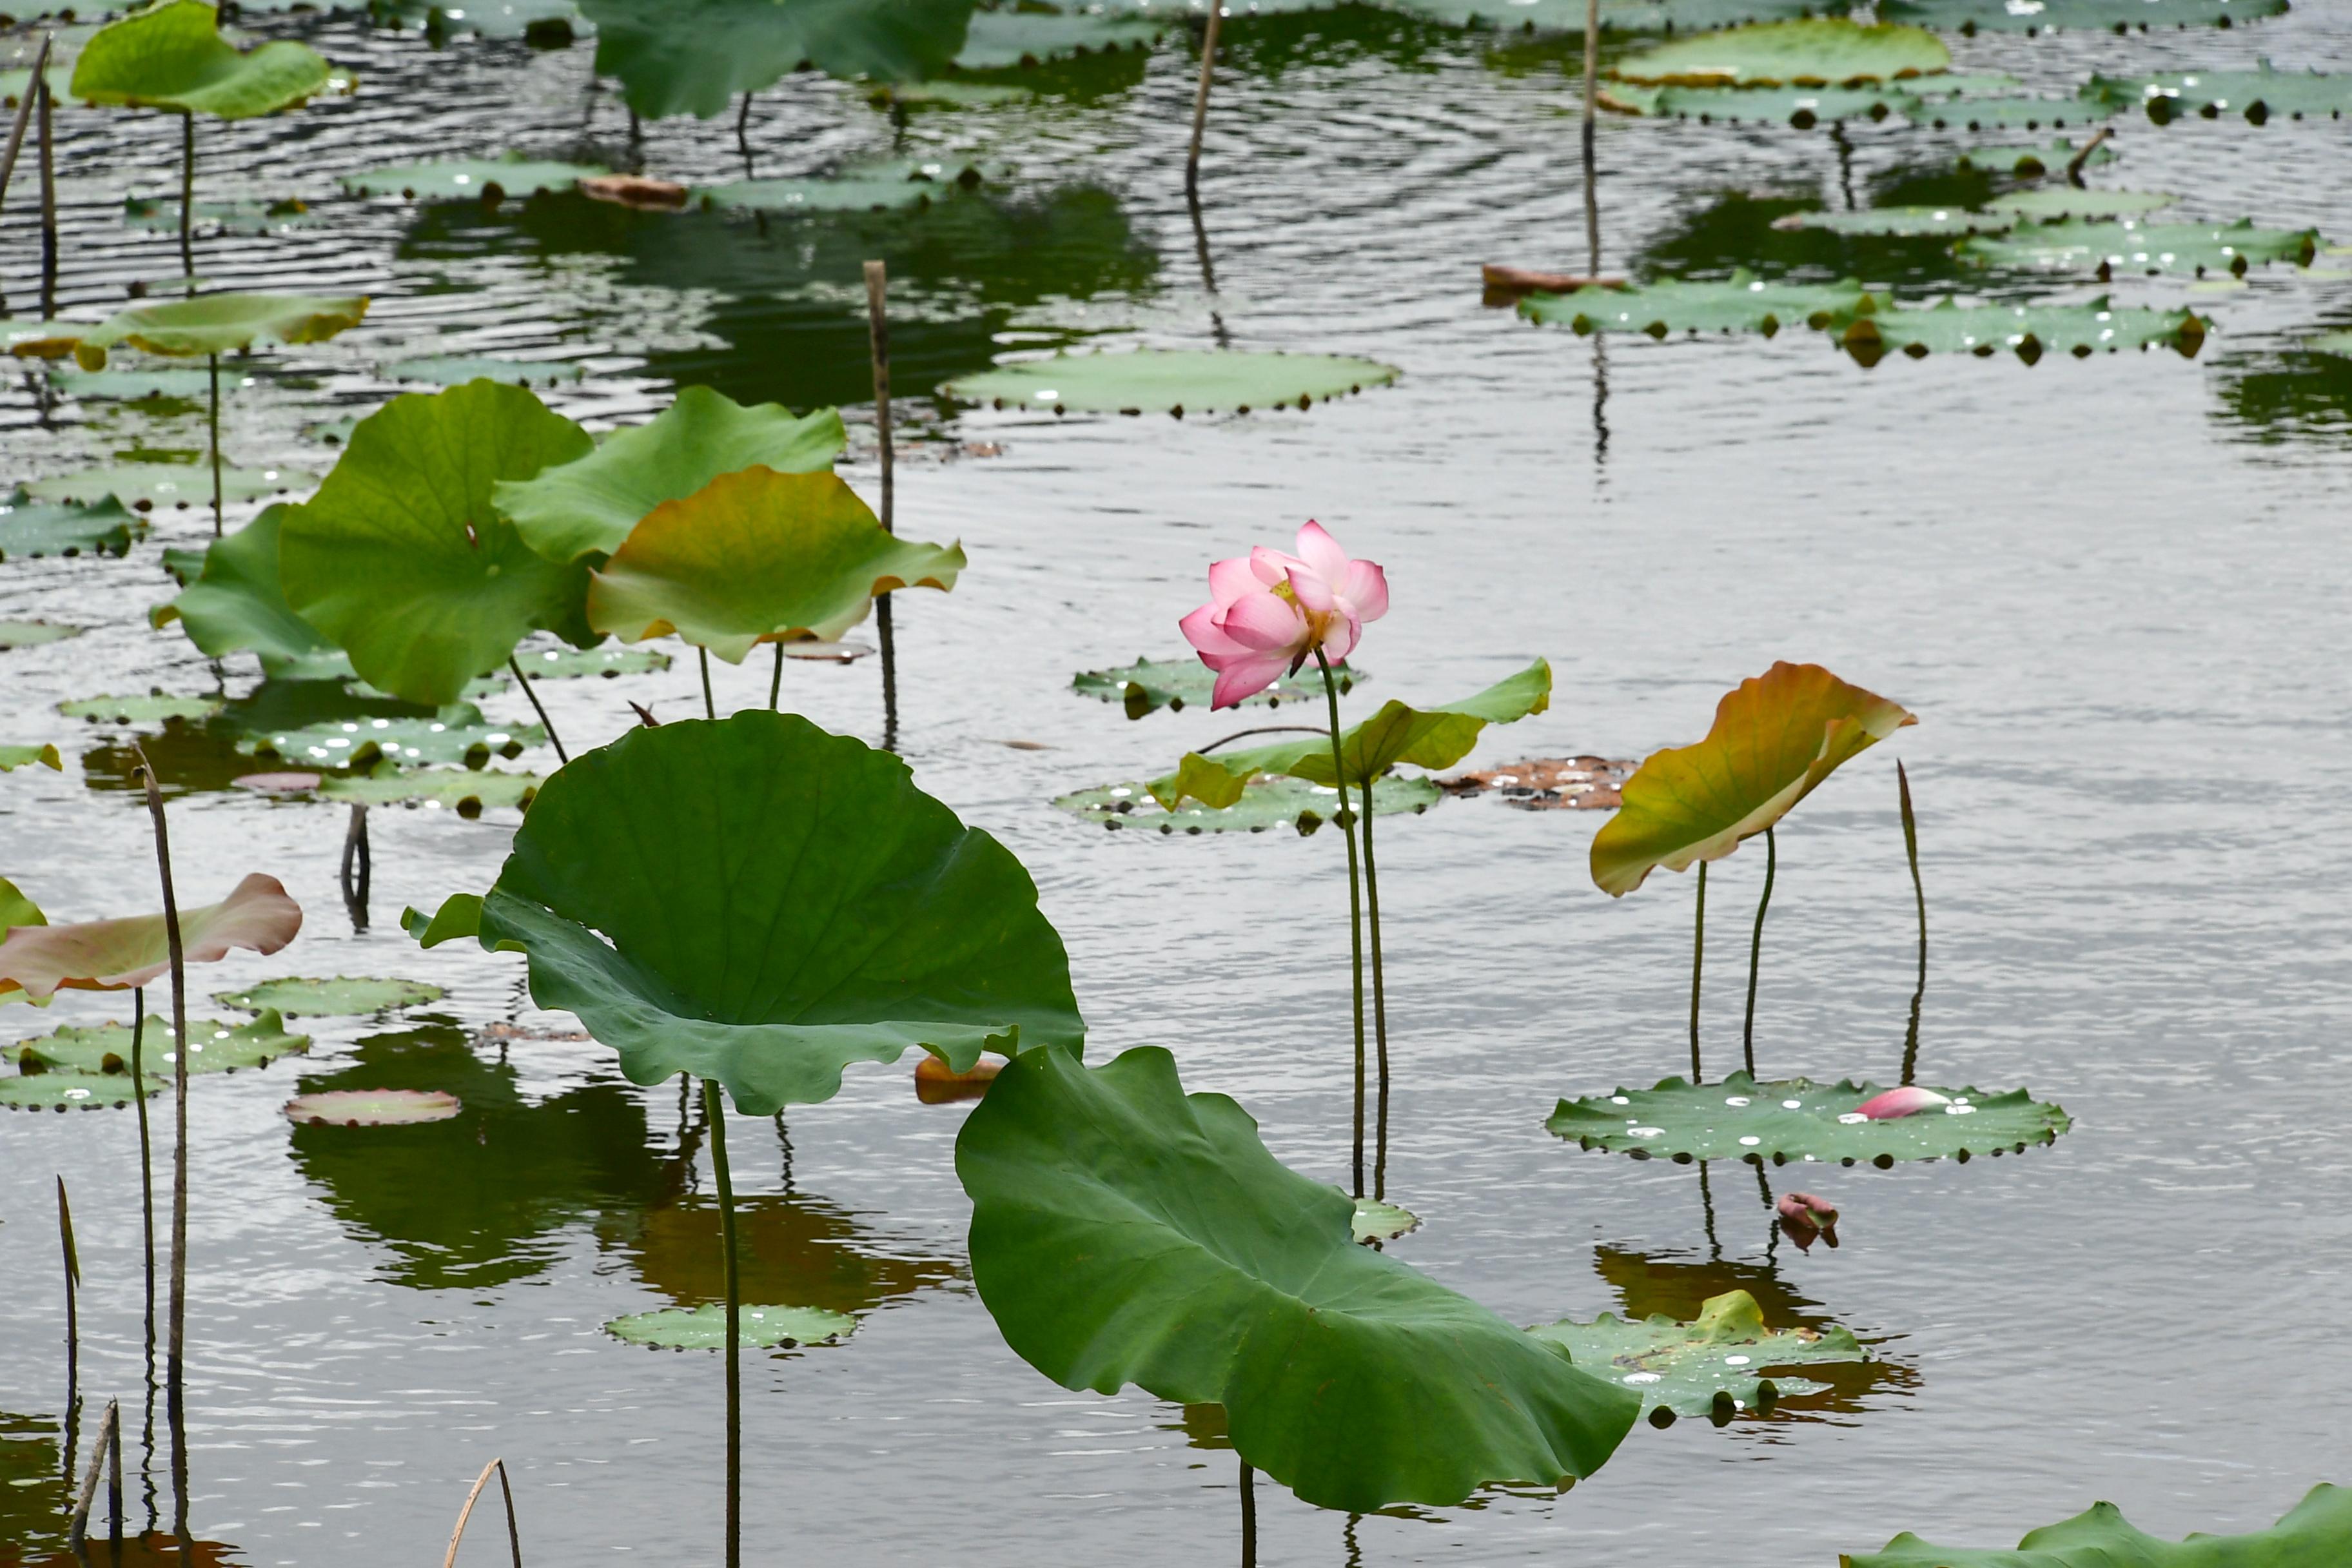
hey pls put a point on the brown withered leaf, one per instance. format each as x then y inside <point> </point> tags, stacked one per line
<point>1552,784</point>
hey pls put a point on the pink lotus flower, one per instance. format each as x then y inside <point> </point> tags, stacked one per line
<point>1898,1102</point>
<point>1269,613</point>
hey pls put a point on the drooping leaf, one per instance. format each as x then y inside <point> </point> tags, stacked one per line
<point>470,179</point>
<point>589,505</point>
<point>213,1046</point>
<point>756,902</point>
<point>2315,1533</point>
<point>401,557</point>
<point>1775,738</point>
<point>180,485</point>
<point>16,910</point>
<point>344,996</point>
<point>372,1107</point>
<point>755,557</point>
<point>31,528</point>
<point>220,324</point>
<point>2029,330</point>
<point>118,954</point>
<point>1813,52</point>
<point>2260,94</point>
<point>1740,303</point>
<point>1124,1231</point>
<point>35,634</point>
<point>1176,381</point>
<point>573,663</point>
<point>1264,803</point>
<point>1907,222</point>
<point>2048,204</point>
<point>236,603</point>
<point>2076,16</point>
<point>467,791</point>
<point>1698,1368</point>
<point>1796,1119</point>
<point>2031,160</point>
<point>1801,108</point>
<point>454,371</point>
<point>2128,245</point>
<point>155,707</point>
<point>1150,684</point>
<point>455,733</point>
<point>694,57</point>
<point>756,1328</point>
<point>171,55</point>
<point>14,757</point>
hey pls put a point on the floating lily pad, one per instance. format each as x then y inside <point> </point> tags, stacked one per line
<point>862,188</point>
<point>704,1328</point>
<point>1797,1119</point>
<point>2029,330</point>
<point>14,757</point>
<point>149,485</point>
<point>1800,107</point>
<point>1946,85</point>
<point>2050,204</point>
<point>76,1090</point>
<point>1150,684</point>
<point>469,179</point>
<point>1740,303</point>
<point>1175,381</point>
<point>467,791</point>
<point>1816,52</point>
<point>2075,16</point>
<point>31,528</point>
<point>144,385</point>
<point>1550,784</point>
<point>220,324</point>
<point>1904,222</point>
<point>542,22</point>
<point>1674,16</point>
<point>2259,95</point>
<point>372,1107</point>
<point>2019,111</point>
<point>455,733</point>
<point>235,602</point>
<point>155,707</point>
<point>172,56</point>
<point>571,663</point>
<point>453,372</point>
<point>1713,1366</point>
<point>1002,39</point>
<point>2128,245</point>
<point>949,94</point>
<point>1375,1220</point>
<point>226,217</point>
<point>344,996</point>
<point>213,1046</point>
<point>1264,802</point>
<point>2033,160</point>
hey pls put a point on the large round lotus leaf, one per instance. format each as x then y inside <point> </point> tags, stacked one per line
<point>998,39</point>
<point>213,1046</point>
<point>14,757</point>
<point>456,372</point>
<point>237,603</point>
<point>467,791</point>
<point>1740,303</point>
<point>1264,803</point>
<point>172,56</point>
<point>1797,1119</point>
<point>220,324</point>
<point>694,57</point>
<point>1801,107</point>
<point>2045,204</point>
<point>570,663</point>
<point>1775,738</point>
<point>155,707</point>
<point>469,179</point>
<point>402,558</point>
<point>455,733</point>
<point>118,954</point>
<point>2076,16</point>
<point>1816,52</point>
<point>2316,1533</point>
<point>2128,245</point>
<point>1123,1231</point>
<point>2259,95</point>
<point>181,485</point>
<point>2033,160</point>
<point>1150,684</point>
<point>2029,330</point>
<point>2016,112</point>
<point>1902,221</point>
<point>1689,1368</point>
<point>588,506</point>
<point>30,528</point>
<point>756,1328</point>
<point>344,996</point>
<point>1175,381</point>
<point>76,1090</point>
<point>372,1107</point>
<point>759,557</point>
<point>755,900</point>
<point>35,634</point>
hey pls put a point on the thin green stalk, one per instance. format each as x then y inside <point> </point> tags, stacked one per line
<point>73,1292</point>
<point>1919,894</point>
<point>776,682</point>
<point>715,1110</point>
<point>174,1363</point>
<point>545,723</point>
<point>1249,1516</point>
<point>146,1159</point>
<point>187,191</point>
<point>710,708</point>
<point>1698,959</point>
<point>1379,1000</point>
<point>212,361</point>
<point>1756,948</point>
<point>1355,903</point>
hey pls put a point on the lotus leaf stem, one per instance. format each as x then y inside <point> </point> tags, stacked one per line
<point>1707,1212</point>
<point>544,722</point>
<point>710,708</point>
<point>1919,896</point>
<point>110,1443</point>
<point>877,326</point>
<point>174,1363</point>
<point>1380,997</point>
<point>1698,959</point>
<point>743,133</point>
<point>1201,100</point>
<point>514,1535</point>
<point>24,115</point>
<point>1355,899</point>
<point>776,682</point>
<point>1591,88</point>
<point>1261,729</point>
<point>146,1158</point>
<point>213,363</point>
<point>73,1280</point>
<point>187,191</point>
<point>1756,948</point>
<point>1249,1497</point>
<point>2074,165</point>
<point>715,1112</point>
<point>40,89</point>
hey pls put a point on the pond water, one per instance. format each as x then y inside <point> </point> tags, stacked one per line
<point>2112,588</point>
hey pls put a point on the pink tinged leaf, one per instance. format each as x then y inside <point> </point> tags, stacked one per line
<point>1322,553</point>
<point>117,955</point>
<point>1246,677</point>
<point>1264,624</point>
<point>1200,629</point>
<point>1229,580</point>
<point>1365,589</point>
<point>1899,1102</point>
<point>1805,1205</point>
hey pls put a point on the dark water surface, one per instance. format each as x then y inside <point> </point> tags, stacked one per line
<point>2113,590</point>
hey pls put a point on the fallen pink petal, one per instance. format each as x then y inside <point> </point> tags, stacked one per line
<point>119,954</point>
<point>1900,1102</point>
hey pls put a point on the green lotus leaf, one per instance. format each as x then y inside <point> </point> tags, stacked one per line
<point>1740,1119</point>
<point>76,1090</point>
<point>694,57</point>
<point>467,791</point>
<point>952,94</point>
<point>1696,1369</point>
<point>2018,111</point>
<point>372,1107</point>
<point>32,528</point>
<point>1946,85</point>
<point>2031,330</point>
<point>1264,803</point>
<point>342,997</point>
<point>2076,16</point>
<point>1616,15</point>
<point>155,707</point>
<point>1150,684</point>
<point>2033,160</point>
<point>529,19</point>
<point>2339,342</point>
<point>14,757</point>
<point>1801,107</point>
<point>1814,52</point>
<point>213,1046</point>
<point>35,634</point>
<point>118,954</point>
<point>571,663</point>
<point>236,603</point>
<point>1174,381</point>
<point>451,370</point>
<point>1902,221</point>
<point>877,189</point>
<point>757,902</point>
<point>2258,94</point>
<point>2315,1533</point>
<point>2048,204</point>
<point>402,558</point>
<point>455,733</point>
<point>224,218</point>
<point>756,1328</point>
<point>181,485</point>
<point>220,324</point>
<point>588,506</point>
<point>143,385</point>
<point>1002,39</point>
<point>1376,1220</point>
<point>2127,244</point>
<point>171,55</point>
<point>470,179</point>
<point>1775,738</point>
<point>1740,303</point>
<point>1124,1231</point>
<point>759,557</point>
<point>41,340</point>
<point>16,910</point>
<point>1436,737</point>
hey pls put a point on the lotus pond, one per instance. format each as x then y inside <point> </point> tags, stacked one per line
<point>480,585</point>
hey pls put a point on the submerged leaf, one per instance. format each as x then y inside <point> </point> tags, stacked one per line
<point>1697,1368</point>
<point>1150,684</point>
<point>2317,1532</point>
<point>344,996</point>
<point>1814,52</point>
<point>171,55</point>
<point>372,1107</point>
<point>1740,303</point>
<point>220,324</point>
<point>30,529</point>
<point>118,954</point>
<point>155,707</point>
<point>1796,1119</point>
<point>756,1328</point>
<point>1264,803</point>
<point>238,603</point>
<point>999,39</point>
<point>1174,381</point>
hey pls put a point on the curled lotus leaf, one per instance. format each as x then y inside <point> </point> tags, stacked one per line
<point>343,995</point>
<point>236,603</point>
<point>1903,222</point>
<point>758,557</point>
<point>401,558</point>
<point>2260,95</point>
<point>2033,160</point>
<point>219,325</point>
<point>455,733</point>
<point>1174,381</point>
<point>171,56</point>
<point>155,707</point>
<point>450,370</point>
<point>704,1328</point>
<point>1775,738</point>
<point>36,634</point>
<point>1796,1119</point>
<point>1716,1363</point>
<point>470,179</point>
<point>181,485</point>
<point>1150,684</point>
<point>16,910</point>
<point>1263,802</point>
<point>696,57</point>
<point>213,1046</point>
<point>1811,52</point>
<point>31,528</point>
<point>2048,204</point>
<point>1801,108</point>
<point>372,1107</point>
<point>118,954</point>
<point>1740,303</point>
<point>2076,16</point>
<point>590,505</point>
<point>2315,1533</point>
<point>2130,245</point>
<point>756,902</point>
<point>2028,330</point>
<point>1124,1231</point>
<point>467,791</point>
<point>14,757</point>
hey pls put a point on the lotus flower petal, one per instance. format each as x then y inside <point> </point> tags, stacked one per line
<point>1897,1102</point>
<point>117,955</point>
<point>1246,677</point>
